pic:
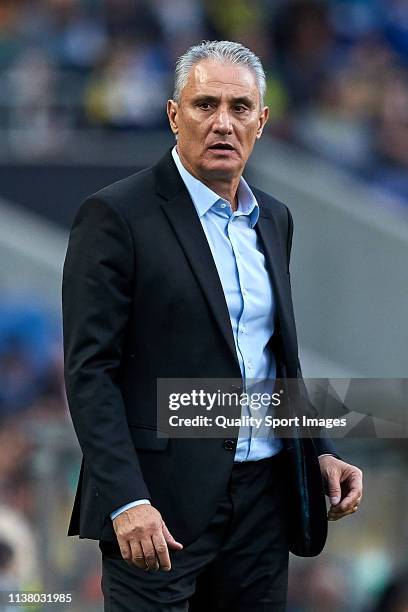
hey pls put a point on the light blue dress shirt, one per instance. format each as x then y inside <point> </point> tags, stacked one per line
<point>248,292</point>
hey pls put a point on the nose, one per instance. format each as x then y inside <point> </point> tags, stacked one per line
<point>222,122</point>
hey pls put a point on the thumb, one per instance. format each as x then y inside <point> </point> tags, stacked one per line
<point>169,538</point>
<point>334,490</point>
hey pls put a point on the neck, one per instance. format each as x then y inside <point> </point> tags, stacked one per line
<point>226,187</point>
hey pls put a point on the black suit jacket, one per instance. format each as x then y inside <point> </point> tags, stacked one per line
<point>141,300</point>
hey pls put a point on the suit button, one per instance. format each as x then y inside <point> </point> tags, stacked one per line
<point>229,445</point>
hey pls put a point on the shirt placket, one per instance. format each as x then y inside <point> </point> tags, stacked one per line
<point>242,325</point>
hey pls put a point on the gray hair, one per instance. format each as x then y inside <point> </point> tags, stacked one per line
<point>221,51</point>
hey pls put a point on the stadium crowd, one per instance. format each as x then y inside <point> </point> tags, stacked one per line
<point>38,463</point>
<point>337,70</point>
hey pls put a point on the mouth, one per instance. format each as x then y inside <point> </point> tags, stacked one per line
<point>222,146</point>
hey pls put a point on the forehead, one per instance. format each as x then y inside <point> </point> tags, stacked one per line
<point>213,78</point>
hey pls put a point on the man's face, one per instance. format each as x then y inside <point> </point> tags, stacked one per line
<point>217,119</point>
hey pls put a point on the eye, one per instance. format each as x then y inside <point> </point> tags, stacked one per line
<point>240,108</point>
<point>204,105</point>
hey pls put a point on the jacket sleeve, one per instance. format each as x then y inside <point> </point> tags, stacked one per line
<point>96,300</point>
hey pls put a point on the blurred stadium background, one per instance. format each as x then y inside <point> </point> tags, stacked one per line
<point>83,86</point>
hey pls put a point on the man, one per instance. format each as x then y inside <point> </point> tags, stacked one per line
<point>182,271</point>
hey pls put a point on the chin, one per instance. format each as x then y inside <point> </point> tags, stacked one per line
<point>222,168</point>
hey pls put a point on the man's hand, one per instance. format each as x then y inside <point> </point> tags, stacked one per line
<point>343,484</point>
<point>144,538</point>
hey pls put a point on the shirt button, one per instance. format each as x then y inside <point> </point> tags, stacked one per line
<point>243,329</point>
<point>229,445</point>
<point>222,205</point>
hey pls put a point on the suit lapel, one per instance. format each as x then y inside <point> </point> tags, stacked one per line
<point>186,224</point>
<point>275,255</point>
<point>270,238</point>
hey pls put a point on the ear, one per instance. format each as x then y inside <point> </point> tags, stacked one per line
<point>172,110</point>
<point>263,118</point>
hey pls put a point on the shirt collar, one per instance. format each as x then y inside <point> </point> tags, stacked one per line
<point>204,198</point>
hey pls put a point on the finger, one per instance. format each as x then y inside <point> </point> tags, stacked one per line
<point>137,554</point>
<point>354,484</point>
<point>346,504</point>
<point>334,488</point>
<point>352,499</point>
<point>162,552</point>
<point>335,516</point>
<point>171,542</point>
<point>149,554</point>
<point>339,516</point>
<point>353,491</point>
<point>125,550</point>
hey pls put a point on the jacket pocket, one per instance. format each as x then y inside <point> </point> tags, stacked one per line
<point>146,438</point>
